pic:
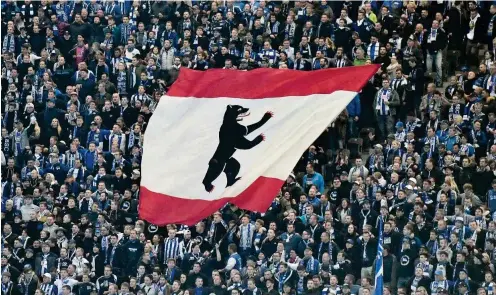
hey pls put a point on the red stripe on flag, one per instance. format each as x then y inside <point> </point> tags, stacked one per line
<point>161,209</point>
<point>264,83</point>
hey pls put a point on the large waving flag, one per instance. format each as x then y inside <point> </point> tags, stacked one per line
<point>379,268</point>
<point>234,136</point>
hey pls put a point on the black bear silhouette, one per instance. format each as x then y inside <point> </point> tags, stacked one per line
<point>231,138</point>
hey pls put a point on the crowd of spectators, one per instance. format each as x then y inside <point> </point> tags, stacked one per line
<point>81,79</point>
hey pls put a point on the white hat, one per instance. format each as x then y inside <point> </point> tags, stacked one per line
<point>48,275</point>
<point>412,180</point>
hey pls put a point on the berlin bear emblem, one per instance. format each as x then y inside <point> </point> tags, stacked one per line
<point>231,138</point>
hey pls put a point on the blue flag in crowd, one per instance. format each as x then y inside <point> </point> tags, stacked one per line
<point>378,263</point>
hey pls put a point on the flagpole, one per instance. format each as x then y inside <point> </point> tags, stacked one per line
<point>379,269</point>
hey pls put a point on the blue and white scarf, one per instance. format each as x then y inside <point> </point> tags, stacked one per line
<point>9,43</point>
<point>310,267</point>
<point>320,253</point>
<point>382,96</point>
<point>18,142</point>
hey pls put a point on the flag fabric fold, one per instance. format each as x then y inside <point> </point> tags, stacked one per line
<point>234,136</point>
<point>379,268</point>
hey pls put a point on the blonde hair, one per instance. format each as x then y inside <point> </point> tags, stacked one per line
<point>36,132</point>
<point>59,128</point>
<point>49,177</point>
<point>451,182</point>
<point>457,119</point>
<point>330,43</point>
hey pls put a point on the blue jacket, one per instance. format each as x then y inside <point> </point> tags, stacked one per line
<point>89,160</point>
<point>442,135</point>
<point>450,141</point>
<point>393,4</point>
<point>491,200</point>
<point>59,171</point>
<point>317,180</point>
<point>353,108</point>
<point>125,8</point>
<point>100,137</point>
<point>364,30</point>
<point>479,138</point>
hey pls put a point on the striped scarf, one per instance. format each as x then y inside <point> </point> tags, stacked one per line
<point>6,146</point>
<point>108,48</point>
<point>78,173</point>
<point>425,266</point>
<point>71,158</point>
<point>122,5</point>
<point>109,9</point>
<point>432,144</point>
<point>246,236</point>
<point>310,267</point>
<point>115,60</point>
<point>273,28</point>
<point>87,206</point>
<point>396,83</point>
<point>125,32</point>
<point>302,210</point>
<point>18,142</point>
<point>111,140</point>
<point>383,96</point>
<point>329,251</point>
<point>97,179</point>
<point>235,52</point>
<point>8,43</point>
<point>117,164</point>
<point>340,62</point>
<point>491,85</point>
<point>6,287</point>
<point>171,249</point>
<point>122,82</point>
<point>373,51</point>
<point>133,16</point>
<point>437,285</point>
<point>289,31</point>
<point>282,280</point>
<point>489,287</point>
<point>432,246</point>
<point>28,11</point>
<point>133,77</point>
<point>300,289</point>
<point>132,139</point>
<point>47,288</point>
<point>60,11</point>
<point>361,169</point>
<point>143,98</point>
